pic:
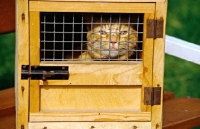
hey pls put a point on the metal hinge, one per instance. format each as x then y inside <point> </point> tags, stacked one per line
<point>44,72</point>
<point>155,28</point>
<point>152,95</point>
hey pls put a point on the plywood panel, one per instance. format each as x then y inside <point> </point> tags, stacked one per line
<point>44,6</point>
<point>100,74</point>
<point>90,97</point>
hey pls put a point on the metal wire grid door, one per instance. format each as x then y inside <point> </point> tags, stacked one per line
<point>63,36</point>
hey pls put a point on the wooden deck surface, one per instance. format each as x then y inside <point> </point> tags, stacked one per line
<point>181,113</point>
<point>7,109</point>
<point>7,16</point>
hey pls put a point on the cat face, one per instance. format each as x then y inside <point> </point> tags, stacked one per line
<point>115,39</point>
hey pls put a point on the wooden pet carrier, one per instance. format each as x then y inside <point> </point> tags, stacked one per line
<point>90,64</point>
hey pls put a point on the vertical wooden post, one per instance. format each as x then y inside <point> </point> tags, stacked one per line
<point>158,65</point>
<point>22,58</point>
<point>147,61</point>
<point>35,58</point>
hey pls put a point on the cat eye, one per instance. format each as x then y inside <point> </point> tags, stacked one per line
<point>123,32</point>
<point>102,32</point>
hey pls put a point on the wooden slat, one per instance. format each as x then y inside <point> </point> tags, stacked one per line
<point>22,58</point>
<point>44,6</point>
<point>147,61</point>
<point>158,65</point>
<point>107,0</point>
<point>96,116</point>
<point>91,125</point>
<point>100,74</point>
<point>7,102</point>
<point>34,58</point>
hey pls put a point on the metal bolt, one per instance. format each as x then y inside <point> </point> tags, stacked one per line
<point>24,66</point>
<point>92,127</point>
<point>134,127</point>
<point>44,78</point>
<point>45,128</point>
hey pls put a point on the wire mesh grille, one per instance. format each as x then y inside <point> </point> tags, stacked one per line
<point>93,37</point>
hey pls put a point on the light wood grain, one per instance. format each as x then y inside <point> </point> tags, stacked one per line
<point>99,116</point>
<point>108,0</point>
<point>97,7</point>
<point>22,58</point>
<point>170,120</point>
<point>147,61</point>
<point>158,65</point>
<point>34,58</point>
<point>90,125</point>
<point>100,74</point>
<point>90,97</point>
<point>94,91</point>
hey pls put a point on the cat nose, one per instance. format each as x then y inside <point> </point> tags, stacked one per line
<point>112,44</point>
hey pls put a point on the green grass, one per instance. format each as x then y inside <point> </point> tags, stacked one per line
<point>183,77</point>
<point>183,20</point>
<point>7,58</point>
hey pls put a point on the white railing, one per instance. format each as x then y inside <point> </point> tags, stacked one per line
<point>182,49</point>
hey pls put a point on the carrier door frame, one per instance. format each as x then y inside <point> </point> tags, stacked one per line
<point>143,70</point>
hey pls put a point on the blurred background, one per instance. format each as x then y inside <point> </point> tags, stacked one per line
<point>181,77</point>
<point>183,21</point>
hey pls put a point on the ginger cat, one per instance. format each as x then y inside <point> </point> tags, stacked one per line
<point>109,39</point>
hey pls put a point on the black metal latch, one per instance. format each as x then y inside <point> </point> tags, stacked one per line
<point>45,72</point>
<point>152,95</point>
